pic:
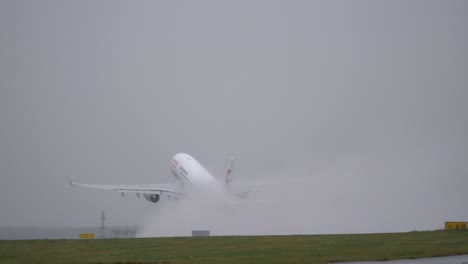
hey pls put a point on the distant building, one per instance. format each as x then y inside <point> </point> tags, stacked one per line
<point>199,233</point>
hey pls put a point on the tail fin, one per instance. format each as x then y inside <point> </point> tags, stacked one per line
<point>229,171</point>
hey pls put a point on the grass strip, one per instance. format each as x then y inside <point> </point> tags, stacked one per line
<point>238,249</point>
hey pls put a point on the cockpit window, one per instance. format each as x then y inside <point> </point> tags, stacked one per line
<point>183,170</point>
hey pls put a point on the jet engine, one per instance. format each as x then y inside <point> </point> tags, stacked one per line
<point>154,198</point>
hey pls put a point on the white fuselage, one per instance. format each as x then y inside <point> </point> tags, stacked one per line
<point>192,178</point>
<point>192,175</point>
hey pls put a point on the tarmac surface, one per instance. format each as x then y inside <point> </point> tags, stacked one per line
<point>461,259</point>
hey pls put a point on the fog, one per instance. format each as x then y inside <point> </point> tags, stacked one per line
<point>226,215</point>
<point>364,102</point>
<point>267,210</point>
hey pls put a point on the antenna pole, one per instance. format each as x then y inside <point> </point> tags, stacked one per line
<point>103,224</point>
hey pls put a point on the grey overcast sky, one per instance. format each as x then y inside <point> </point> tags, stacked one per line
<point>367,100</point>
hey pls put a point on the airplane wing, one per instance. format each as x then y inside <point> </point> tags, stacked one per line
<point>169,188</point>
<point>244,190</point>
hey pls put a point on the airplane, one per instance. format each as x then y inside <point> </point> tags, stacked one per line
<point>191,177</point>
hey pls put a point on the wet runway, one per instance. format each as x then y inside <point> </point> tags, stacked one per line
<point>462,259</point>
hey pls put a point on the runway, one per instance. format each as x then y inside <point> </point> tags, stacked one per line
<point>462,259</point>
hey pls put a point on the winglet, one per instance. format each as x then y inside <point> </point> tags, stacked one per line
<point>70,181</point>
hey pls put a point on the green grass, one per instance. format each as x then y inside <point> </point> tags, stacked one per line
<point>241,249</point>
